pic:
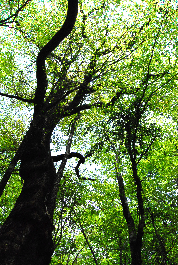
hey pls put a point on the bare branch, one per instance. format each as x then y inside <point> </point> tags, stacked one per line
<point>63,163</point>
<point>17,97</point>
<point>72,154</point>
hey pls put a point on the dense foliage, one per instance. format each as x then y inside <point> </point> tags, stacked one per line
<point>120,63</point>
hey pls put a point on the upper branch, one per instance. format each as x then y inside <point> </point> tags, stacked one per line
<point>48,48</point>
<point>13,16</point>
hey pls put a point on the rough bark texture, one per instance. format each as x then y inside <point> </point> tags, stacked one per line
<point>26,235</point>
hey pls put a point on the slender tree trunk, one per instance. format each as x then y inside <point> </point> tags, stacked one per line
<point>135,233</point>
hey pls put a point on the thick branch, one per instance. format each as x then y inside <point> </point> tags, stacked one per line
<point>48,48</point>
<point>68,111</point>
<point>73,154</point>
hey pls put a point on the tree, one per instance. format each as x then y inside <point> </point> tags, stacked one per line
<point>104,82</point>
<point>30,221</point>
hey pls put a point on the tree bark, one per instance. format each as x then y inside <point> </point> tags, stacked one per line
<point>135,233</point>
<point>26,236</point>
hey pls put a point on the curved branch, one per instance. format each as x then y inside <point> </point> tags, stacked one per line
<point>48,48</point>
<point>73,154</point>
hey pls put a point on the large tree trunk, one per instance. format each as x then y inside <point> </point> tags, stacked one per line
<point>26,236</point>
<point>136,247</point>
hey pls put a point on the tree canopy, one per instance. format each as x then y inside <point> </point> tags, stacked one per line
<point>89,132</point>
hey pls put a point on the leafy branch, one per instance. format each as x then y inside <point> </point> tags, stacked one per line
<point>3,22</point>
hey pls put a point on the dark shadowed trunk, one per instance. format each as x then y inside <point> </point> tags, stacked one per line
<point>135,233</point>
<point>135,230</point>
<point>136,247</point>
<point>26,235</point>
